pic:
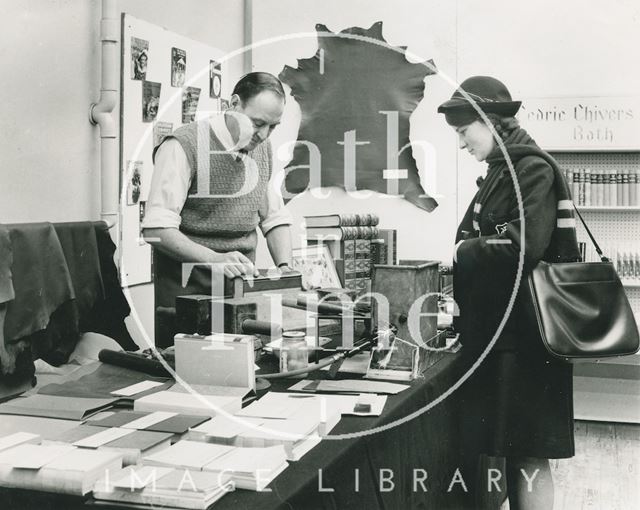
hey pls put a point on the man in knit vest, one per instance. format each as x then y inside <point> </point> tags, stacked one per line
<point>210,191</point>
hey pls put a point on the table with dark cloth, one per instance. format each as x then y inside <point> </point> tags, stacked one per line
<point>354,467</point>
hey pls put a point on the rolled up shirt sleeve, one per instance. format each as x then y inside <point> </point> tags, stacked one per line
<point>274,213</point>
<point>169,187</point>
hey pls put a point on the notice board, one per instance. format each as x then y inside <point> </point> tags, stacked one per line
<point>167,80</point>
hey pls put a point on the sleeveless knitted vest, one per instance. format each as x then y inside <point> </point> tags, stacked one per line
<point>227,219</point>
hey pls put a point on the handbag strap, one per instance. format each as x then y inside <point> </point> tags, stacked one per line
<point>593,240</point>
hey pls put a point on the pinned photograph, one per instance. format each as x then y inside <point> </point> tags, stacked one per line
<point>178,67</point>
<point>142,205</point>
<point>139,58</point>
<point>215,79</point>
<point>134,189</point>
<point>190,98</point>
<point>150,100</point>
<point>160,131</point>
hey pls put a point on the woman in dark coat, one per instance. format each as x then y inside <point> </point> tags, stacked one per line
<point>519,401</point>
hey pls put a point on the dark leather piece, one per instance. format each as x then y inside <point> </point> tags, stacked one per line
<point>350,96</point>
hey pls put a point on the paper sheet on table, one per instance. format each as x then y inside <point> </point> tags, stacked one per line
<point>273,405</point>
<point>33,456</point>
<point>345,404</point>
<point>204,389</point>
<point>349,386</point>
<point>134,389</point>
<point>138,477</point>
<point>18,438</point>
<point>103,437</point>
<point>150,419</point>
<point>357,364</point>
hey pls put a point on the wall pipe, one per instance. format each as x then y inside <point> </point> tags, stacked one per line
<point>101,113</point>
<point>247,61</point>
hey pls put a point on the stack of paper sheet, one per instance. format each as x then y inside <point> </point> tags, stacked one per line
<point>55,468</point>
<point>201,405</point>
<point>164,487</point>
<point>132,444</point>
<point>251,468</point>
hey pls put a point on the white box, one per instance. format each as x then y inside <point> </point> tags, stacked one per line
<point>219,359</point>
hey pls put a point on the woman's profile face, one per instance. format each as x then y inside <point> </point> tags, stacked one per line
<point>476,138</point>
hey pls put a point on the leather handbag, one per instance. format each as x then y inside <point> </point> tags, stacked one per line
<point>582,309</point>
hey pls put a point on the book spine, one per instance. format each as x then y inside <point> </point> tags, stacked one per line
<point>390,237</point>
<point>358,220</point>
<point>576,187</point>
<point>587,186</point>
<point>581,186</point>
<point>349,247</point>
<point>568,174</point>
<point>378,251</point>
<point>633,187</point>
<point>363,258</point>
<point>619,188</point>
<point>367,220</point>
<point>613,180</point>
<point>625,188</point>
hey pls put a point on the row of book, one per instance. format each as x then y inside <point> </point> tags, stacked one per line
<point>604,187</point>
<point>624,256</point>
<point>355,244</point>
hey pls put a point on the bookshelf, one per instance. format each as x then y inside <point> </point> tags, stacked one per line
<point>611,208</point>
<point>609,390</point>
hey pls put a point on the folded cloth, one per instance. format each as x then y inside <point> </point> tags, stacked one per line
<point>101,305</point>
<point>80,248</point>
<point>108,315</point>
<point>6,258</point>
<point>40,278</point>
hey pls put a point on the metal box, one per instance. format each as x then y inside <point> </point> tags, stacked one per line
<point>411,290</point>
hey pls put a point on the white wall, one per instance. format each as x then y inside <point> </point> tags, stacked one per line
<point>51,74</point>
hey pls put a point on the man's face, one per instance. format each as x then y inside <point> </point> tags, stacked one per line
<point>258,117</point>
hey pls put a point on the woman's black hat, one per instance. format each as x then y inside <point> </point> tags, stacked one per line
<point>489,95</point>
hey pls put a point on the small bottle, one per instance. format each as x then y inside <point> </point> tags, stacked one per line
<point>294,353</point>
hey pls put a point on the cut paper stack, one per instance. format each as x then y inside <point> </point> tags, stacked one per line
<point>296,436</point>
<point>160,421</point>
<point>163,487</point>
<point>200,405</point>
<point>130,443</point>
<point>55,468</point>
<point>250,468</point>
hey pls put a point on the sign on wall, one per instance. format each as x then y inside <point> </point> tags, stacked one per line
<point>583,123</point>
